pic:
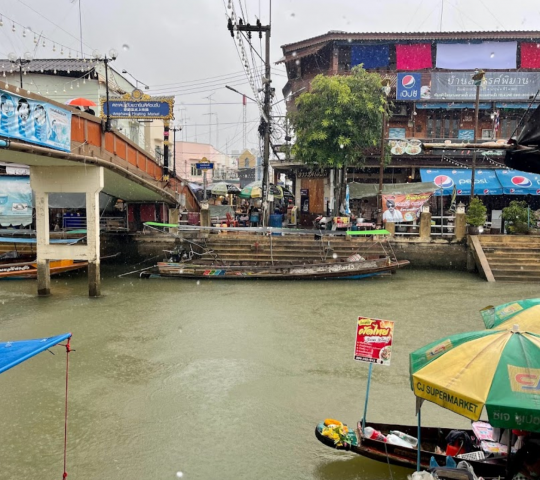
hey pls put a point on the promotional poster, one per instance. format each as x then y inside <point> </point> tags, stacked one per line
<point>15,201</point>
<point>39,123</point>
<point>374,340</point>
<point>400,208</point>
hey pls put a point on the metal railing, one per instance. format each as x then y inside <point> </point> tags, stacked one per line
<point>446,228</point>
<point>108,224</point>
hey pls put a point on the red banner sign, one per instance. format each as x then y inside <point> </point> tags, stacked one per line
<point>374,340</point>
<point>404,207</point>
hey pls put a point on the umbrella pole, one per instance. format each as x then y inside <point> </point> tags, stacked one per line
<point>509,454</point>
<point>419,448</point>
<point>367,396</point>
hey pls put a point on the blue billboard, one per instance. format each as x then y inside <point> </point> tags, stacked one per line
<point>515,182</point>
<point>485,181</point>
<point>408,86</point>
<point>34,122</point>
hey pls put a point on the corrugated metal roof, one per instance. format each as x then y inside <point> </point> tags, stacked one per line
<point>49,65</point>
<point>302,53</point>
<point>416,36</point>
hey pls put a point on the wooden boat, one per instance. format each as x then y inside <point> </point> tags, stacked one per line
<point>314,271</point>
<point>29,269</point>
<point>407,457</point>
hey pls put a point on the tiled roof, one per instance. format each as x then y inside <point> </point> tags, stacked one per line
<point>333,35</point>
<point>49,65</point>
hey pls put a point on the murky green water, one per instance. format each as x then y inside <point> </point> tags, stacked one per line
<point>218,380</point>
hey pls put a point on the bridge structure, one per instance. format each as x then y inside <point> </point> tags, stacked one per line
<point>99,160</point>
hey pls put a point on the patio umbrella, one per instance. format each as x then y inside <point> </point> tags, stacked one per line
<point>224,188</point>
<point>285,193</point>
<point>526,313</point>
<point>80,102</point>
<point>254,190</point>
<point>498,369</point>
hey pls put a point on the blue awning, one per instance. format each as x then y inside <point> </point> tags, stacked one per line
<point>485,181</point>
<point>450,105</point>
<point>515,105</point>
<point>13,353</point>
<point>519,183</point>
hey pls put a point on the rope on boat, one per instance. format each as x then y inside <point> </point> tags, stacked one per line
<point>388,461</point>
<point>136,271</point>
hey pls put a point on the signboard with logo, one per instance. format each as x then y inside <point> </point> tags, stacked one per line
<point>138,105</point>
<point>518,183</point>
<point>498,86</point>
<point>466,135</point>
<point>485,181</point>
<point>408,86</point>
<point>204,166</point>
<point>412,146</point>
<point>403,207</point>
<point>34,122</point>
<point>374,340</point>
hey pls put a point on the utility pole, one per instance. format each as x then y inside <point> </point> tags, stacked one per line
<point>477,78</point>
<point>166,143</point>
<point>175,129</point>
<point>209,98</point>
<point>264,127</point>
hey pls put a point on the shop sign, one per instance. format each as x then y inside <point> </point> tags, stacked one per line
<point>314,173</point>
<point>408,86</point>
<point>411,146</point>
<point>138,106</point>
<point>373,340</point>
<point>497,86</point>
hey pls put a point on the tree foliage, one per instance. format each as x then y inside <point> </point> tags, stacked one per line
<point>340,120</point>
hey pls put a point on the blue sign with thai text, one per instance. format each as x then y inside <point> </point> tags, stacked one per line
<point>515,182</point>
<point>408,86</point>
<point>149,109</point>
<point>204,166</point>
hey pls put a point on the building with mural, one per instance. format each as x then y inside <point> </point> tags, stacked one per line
<point>432,95</point>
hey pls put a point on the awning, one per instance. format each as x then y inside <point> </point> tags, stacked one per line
<point>518,183</point>
<point>366,190</point>
<point>13,353</point>
<point>301,53</point>
<point>451,106</point>
<point>522,106</point>
<point>485,181</point>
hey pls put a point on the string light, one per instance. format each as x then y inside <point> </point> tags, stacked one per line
<point>84,81</point>
<point>35,39</point>
<point>54,47</point>
<point>6,85</point>
<point>62,51</point>
<point>43,44</point>
<point>24,33</point>
<point>17,89</point>
<point>13,28</point>
<point>1,21</point>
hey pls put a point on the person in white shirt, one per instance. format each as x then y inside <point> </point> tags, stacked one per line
<point>391,214</point>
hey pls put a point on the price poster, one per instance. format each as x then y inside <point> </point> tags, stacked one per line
<point>374,340</point>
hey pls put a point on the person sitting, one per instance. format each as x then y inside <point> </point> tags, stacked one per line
<point>526,464</point>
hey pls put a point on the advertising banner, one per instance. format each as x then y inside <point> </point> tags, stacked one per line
<point>15,201</point>
<point>408,86</point>
<point>514,182</point>
<point>485,181</point>
<point>374,340</point>
<point>498,86</point>
<point>403,207</point>
<point>34,122</point>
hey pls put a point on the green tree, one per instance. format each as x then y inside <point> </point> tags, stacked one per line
<point>339,122</point>
<point>517,216</point>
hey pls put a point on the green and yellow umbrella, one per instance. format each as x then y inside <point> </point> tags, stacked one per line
<point>498,369</point>
<point>526,313</point>
<point>254,190</point>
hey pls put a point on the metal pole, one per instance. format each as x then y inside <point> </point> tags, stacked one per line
<point>108,121</point>
<point>174,152</point>
<point>367,396</point>
<point>419,448</point>
<point>267,108</point>
<point>20,72</point>
<point>381,170</point>
<point>476,108</point>
<point>204,185</point>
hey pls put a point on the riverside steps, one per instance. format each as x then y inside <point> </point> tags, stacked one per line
<point>507,258</point>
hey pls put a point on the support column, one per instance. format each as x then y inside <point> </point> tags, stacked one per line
<point>391,227</point>
<point>42,234</point>
<point>93,242</point>
<point>173,219</point>
<point>425,226</point>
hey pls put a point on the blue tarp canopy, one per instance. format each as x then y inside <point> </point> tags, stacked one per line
<point>451,105</point>
<point>485,181</point>
<point>69,241</point>
<point>519,183</point>
<point>13,353</point>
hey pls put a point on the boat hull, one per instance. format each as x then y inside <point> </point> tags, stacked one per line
<point>24,270</point>
<point>407,457</point>
<point>353,270</point>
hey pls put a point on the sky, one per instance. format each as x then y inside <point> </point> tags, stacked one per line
<point>182,48</point>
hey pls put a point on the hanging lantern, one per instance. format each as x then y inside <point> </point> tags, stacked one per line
<point>54,47</point>
<point>35,39</point>
<point>24,32</point>
<point>13,28</point>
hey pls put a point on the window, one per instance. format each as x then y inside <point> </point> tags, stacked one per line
<point>246,162</point>
<point>487,134</point>
<point>195,172</point>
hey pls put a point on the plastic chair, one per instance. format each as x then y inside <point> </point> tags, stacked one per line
<point>231,222</point>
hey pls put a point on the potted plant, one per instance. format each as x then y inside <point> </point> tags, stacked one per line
<point>517,217</point>
<point>476,216</point>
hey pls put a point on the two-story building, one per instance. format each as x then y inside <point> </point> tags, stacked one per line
<point>432,96</point>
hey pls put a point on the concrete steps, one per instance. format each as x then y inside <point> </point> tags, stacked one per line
<point>512,258</point>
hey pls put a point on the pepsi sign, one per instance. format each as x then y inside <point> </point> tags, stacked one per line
<point>408,86</point>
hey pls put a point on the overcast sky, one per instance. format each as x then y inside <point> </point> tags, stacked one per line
<point>183,48</point>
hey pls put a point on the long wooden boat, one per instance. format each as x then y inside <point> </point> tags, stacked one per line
<point>314,271</point>
<point>430,438</point>
<point>24,270</point>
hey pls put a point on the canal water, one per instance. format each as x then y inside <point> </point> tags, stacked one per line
<point>218,379</point>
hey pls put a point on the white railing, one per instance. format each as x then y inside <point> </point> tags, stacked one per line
<point>442,229</point>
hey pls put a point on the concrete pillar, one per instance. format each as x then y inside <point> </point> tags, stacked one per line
<point>84,179</point>
<point>205,218</point>
<point>461,226</point>
<point>425,226</point>
<point>173,219</point>
<point>42,239</point>
<point>391,227</point>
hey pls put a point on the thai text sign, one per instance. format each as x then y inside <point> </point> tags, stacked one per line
<point>35,122</point>
<point>399,208</point>
<point>373,340</point>
<point>144,109</point>
<point>497,86</point>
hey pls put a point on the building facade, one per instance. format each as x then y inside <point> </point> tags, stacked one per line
<point>432,95</point>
